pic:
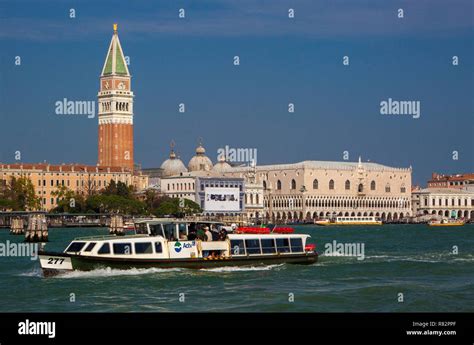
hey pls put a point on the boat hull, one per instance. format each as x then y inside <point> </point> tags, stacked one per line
<point>82,263</point>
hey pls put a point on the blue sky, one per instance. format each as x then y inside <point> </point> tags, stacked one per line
<point>337,107</point>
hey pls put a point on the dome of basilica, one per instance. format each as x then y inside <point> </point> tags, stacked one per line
<point>221,165</point>
<point>173,166</point>
<point>200,162</point>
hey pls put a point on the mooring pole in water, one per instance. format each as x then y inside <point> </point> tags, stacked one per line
<point>37,230</point>
<point>116,225</point>
<point>17,226</point>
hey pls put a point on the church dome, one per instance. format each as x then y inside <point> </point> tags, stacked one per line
<point>173,166</point>
<point>221,165</point>
<point>200,162</point>
<point>200,150</point>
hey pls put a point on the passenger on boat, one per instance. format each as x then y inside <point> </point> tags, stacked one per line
<point>192,235</point>
<point>208,234</point>
<point>201,234</point>
<point>215,233</point>
<point>183,237</point>
<point>222,235</point>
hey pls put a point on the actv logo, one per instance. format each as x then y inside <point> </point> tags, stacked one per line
<point>178,246</point>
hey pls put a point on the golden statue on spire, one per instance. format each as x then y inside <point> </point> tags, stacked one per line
<point>115,27</point>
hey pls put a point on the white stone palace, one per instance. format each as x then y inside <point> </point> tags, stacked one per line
<point>301,191</point>
<point>316,189</point>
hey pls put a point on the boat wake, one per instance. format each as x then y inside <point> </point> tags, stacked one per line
<point>35,272</point>
<point>108,272</point>
<point>426,258</point>
<point>335,258</point>
<point>241,269</point>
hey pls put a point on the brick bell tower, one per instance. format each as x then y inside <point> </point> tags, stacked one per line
<point>115,102</point>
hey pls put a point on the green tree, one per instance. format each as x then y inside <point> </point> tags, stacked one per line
<point>69,201</point>
<point>123,190</point>
<point>6,204</point>
<point>21,194</point>
<point>111,188</point>
<point>152,199</point>
<point>115,204</point>
<point>176,207</point>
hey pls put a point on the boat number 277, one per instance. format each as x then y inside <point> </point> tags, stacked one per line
<point>55,261</point>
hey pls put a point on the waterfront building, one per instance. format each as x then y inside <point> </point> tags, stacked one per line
<point>179,187</point>
<point>115,103</point>
<point>154,176</point>
<point>177,181</point>
<point>84,179</point>
<point>451,181</point>
<point>443,201</point>
<point>319,189</point>
<point>198,186</point>
<point>220,195</point>
<point>254,194</point>
<point>305,191</point>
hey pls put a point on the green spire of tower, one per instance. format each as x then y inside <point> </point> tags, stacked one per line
<point>115,61</point>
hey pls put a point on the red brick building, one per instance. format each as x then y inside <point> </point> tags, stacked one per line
<point>451,181</point>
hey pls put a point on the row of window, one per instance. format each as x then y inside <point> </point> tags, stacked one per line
<point>238,247</point>
<point>249,199</point>
<point>347,186</point>
<point>444,184</point>
<point>92,173</point>
<point>42,183</point>
<point>266,246</point>
<point>182,195</point>
<point>221,184</point>
<point>446,202</point>
<point>119,248</point>
<point>121,106</point>
<point>324,203</point>
<point>181,186</point>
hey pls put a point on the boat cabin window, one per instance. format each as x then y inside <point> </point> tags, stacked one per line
<point>90,246</point>
<point>141,229</point>
<point>237,247</point>
<point>158,247</point>
<point>182,231</point>
<point>296,245</point>
<point>170,231</point>
<point>75,247</point>
<point>253,246</point>
<point>123,248</point>
<point>268,245</point>
<point>105,249</point>
<point>156,230</point>
<point>283,245</point>
<point>143,248</point>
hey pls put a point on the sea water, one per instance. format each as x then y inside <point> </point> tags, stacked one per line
<point>404,268</point>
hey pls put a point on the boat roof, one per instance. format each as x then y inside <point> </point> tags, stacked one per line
<point>273,235</point>
<point>175,220</point>
<point>108,237</point>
